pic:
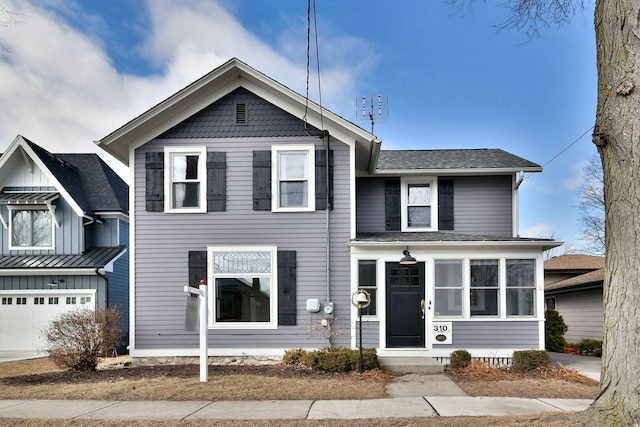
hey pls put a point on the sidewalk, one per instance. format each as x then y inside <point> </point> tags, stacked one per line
<point>410,398</point>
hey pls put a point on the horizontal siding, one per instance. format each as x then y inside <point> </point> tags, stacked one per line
<point>69,237</point>
<point>583,313</point>
<point>370,334</point>
<point>164,240</point>
<point>499,335</point>
<point>370,203</point>
<point>482,205</point>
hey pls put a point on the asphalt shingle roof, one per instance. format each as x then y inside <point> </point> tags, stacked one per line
<point>485,158</point>
<point>88,179</point>
<point>574,262</point>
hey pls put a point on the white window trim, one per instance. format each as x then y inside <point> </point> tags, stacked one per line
<point>404,196</point>
<point>533,288</point>
<point>466,279</point>
<point>273,300</point>
<point>310,150</point>
<point>50,209</point>
<point>169,152</point>
<point>369,317</point>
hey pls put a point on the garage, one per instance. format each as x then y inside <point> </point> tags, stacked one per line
<point>24,315</point>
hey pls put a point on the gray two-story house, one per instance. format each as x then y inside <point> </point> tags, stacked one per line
<point>287,209</point>
<point>64,231</point>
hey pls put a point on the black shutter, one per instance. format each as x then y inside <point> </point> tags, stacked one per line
<point>197,267</point>
<point>216,181</point>
<point>392,208</point>
<point>286,287</point>
<point>321,179</point>
<point>154,184</point>
<point>262,180</point>
<point>445,202</point>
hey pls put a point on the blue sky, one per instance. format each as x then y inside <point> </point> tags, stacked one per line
<point>73,71</point>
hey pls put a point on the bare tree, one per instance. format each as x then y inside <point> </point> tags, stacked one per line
<point>617,27</point>
<point>591,206</point>
<point>7,18</point>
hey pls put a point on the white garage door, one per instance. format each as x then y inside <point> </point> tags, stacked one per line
<point>24,315</point>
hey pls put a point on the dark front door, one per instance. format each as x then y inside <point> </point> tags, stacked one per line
<point>405,292</point>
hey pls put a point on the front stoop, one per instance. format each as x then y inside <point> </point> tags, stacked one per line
<point>411,365</point>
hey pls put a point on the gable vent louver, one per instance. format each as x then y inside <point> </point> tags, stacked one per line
<point>241,114</point>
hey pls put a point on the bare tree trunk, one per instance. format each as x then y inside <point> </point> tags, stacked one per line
<point>617,135</point>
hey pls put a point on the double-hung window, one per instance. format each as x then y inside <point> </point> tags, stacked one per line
<point>418,198</point>
<point>521,287</point>
<point>31,228</point>
<point>185,179</point>
<point>484,295</point>
<point>293,178</point>
<point>244,291</point>
<point>449,287</point>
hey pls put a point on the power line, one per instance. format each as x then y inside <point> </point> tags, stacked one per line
<point>565,149</point>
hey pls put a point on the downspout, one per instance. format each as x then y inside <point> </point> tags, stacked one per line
<point>106,287</point>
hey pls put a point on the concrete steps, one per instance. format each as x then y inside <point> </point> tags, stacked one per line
<point>411,365</point>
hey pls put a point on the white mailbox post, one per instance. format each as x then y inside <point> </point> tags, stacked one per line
<point>204,345</point>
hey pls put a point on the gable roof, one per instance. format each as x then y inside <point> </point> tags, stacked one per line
<point>452,161</point>
<point>591,279</point>
<point>85,180</point>
<point>216,84</point>
<point>588,270</point>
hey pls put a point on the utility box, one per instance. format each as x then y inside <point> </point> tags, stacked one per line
<point>328,309</point>
<point>313,305</point>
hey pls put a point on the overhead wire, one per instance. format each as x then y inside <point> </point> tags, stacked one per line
<point>563,150</point>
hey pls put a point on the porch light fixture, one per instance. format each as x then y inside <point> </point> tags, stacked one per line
<point>407,259</point>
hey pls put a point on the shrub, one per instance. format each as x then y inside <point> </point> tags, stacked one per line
<point>77,338</point>
<point>555,329</point>
<point>333,359</point>
<point>460,359</point>
<point>528,360</point>
<point>590,347</point>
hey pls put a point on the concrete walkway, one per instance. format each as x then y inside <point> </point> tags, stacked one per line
<point>412,395</point>
<point>587,365</point>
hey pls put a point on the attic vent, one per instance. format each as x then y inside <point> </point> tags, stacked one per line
<point>241,114</point>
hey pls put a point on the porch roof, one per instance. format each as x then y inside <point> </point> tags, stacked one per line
<point>437,237</point>
<point>97,257</point>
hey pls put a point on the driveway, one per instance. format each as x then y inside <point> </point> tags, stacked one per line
<point>8,355</point>
<point>587,365</point>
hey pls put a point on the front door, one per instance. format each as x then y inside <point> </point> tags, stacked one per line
<point>404,313</point>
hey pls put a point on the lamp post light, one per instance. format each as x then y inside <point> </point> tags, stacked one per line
<point>361,300</point>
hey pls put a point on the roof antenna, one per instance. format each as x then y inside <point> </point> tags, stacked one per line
<point>374,108</point>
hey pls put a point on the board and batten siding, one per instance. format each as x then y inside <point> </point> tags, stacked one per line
<point>497,335</point>
<point>482,205</point>
<point>69,237</point>
<point>164,240</point>
<point>583,313</point>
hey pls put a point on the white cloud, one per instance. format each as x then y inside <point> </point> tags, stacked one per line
<point>61,89</point>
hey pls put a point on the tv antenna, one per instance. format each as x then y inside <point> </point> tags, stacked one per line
<point>374,108</point>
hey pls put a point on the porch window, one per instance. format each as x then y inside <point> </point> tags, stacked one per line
<point>521,286</point>
<point>244,287</point>
<point>31,228</point>
<point>367,279</point>
<point>484,291</point>
<point>185,179</point>
<point>550,303</point>
<point>448,288</point>
<point>293,178</point>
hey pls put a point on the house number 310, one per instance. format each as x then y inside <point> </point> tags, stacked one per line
<point>440,328</point>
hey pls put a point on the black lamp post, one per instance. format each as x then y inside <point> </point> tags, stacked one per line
<point>361,300</point>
